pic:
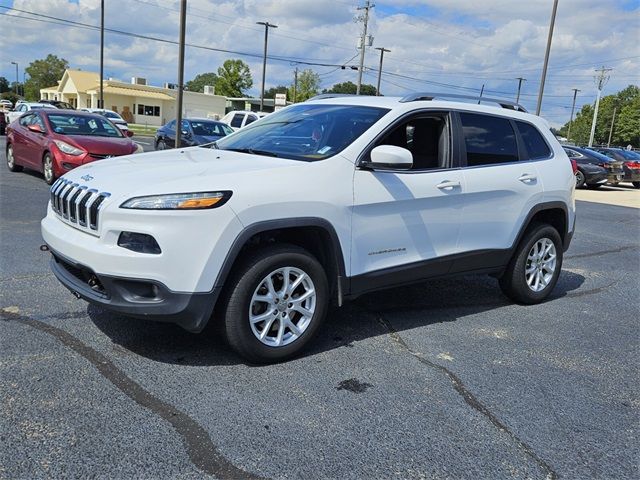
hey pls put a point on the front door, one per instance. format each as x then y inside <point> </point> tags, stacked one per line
<point>404,222</point>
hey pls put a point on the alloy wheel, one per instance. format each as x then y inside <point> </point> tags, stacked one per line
<point>10,159</point>
<point>282,306</point>
<point>541,264</point>
<point>48,168</point>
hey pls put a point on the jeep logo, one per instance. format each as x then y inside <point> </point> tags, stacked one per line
<point>86,178</point>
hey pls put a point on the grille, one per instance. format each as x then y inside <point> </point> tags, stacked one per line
<point>77,204</point>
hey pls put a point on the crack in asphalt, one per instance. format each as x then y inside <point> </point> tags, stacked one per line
<point>468,397</point>
<point>200,449</point>
<point>602,252</point>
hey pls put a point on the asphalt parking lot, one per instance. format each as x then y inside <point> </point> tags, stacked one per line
<point>446,379</point>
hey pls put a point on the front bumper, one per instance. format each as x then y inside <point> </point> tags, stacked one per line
<point>139,298</point>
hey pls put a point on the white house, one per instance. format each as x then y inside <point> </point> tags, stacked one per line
<point>137,102</point>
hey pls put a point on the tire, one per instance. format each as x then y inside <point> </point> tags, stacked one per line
<point>579,179</point>
<point>11,163</point>
<point>528,289</point>
<point>594,186</point>
<point>636,184</point>
<point>47,169</point>
<point>285,329</point>
<point>160,145</point>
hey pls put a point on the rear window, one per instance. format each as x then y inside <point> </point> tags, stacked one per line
<point>533,141</point>
<point>237,120</point>
<point>489,140</point>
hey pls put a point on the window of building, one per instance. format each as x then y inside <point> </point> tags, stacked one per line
<point>533,141</point>
<point>148,110</point>
<point>489,140</point>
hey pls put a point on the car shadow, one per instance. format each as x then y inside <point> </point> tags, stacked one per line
<point>418,305</point>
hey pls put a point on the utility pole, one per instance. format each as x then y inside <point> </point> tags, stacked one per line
<point>264,59</point>
<point>382,50</point>
<point>601,81</point>
<point>101,54</point>
<point>520,80</point>
<point>16,64</point>
<point>481,92</point>
<point>295,84</point>
<point>611,129</point>
<point>546,56</point>
<point>363,41</point>
<point>573,107</point>
<point>183,25</point>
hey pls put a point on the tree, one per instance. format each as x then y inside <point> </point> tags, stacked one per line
<point>11,96</point>
<point>43,73</point>
<point>626,129</point>
<point>351,88</point>
<point>271,92</point>
<point>308,86</point>
<point>199,82</point>
<point>4,85</point>
<point>234,76</point>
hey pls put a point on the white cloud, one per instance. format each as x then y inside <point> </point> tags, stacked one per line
<point>461,43</point>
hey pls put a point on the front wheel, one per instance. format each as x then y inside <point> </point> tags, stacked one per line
<point>11,161</point>
<point>47,169</point>
<point>274,303</point>
<point>161,145</point>
<point>535,267</point>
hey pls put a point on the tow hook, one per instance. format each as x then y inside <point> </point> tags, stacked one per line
<point>44,248</point>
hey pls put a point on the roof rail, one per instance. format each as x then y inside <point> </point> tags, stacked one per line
<point>332,95</point>
<point>414,97</point>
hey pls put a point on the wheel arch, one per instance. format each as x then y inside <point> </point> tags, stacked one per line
<point>316,235</point>
<point>555,214</point>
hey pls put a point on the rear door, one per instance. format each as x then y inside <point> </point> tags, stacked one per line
<point>501,187</point>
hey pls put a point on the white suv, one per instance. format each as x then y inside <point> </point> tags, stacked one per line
<point>238,119</point>
<point>318,203</point>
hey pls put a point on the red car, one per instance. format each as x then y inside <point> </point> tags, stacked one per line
<point>56,141</point>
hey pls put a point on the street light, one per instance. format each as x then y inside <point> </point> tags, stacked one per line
<point>16,64</point>
<point>382,50</point>
<point>264,59</point>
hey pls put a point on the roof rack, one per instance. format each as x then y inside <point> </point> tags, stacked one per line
<point>333,95</point>
<point>414,97</point>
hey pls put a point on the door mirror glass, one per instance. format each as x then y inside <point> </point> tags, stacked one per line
<point>390,157</point>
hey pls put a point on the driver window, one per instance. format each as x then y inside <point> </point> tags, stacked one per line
<point>426,137</point>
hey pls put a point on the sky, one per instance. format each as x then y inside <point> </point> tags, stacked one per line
<point>452,46</point>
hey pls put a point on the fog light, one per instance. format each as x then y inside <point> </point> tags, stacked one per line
<point>139,242</point>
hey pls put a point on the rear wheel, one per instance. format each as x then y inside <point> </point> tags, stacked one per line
<point>11,161</point>
<point>579,179</point>
<point>535,267</point>
<point>276,300</point>
<point>636,184</point>
<point>47,169</point>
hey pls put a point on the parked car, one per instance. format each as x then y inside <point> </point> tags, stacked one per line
<point>115,118</point>
<point>594,169</point>
<point>3,119</point>
<point>59,104</point>
<point>195,131</point>
<point>24,107</point>
<point>8,104</point>
<point>56,141</point>
<point>318,203</point>
<point>240,118</point>
<point>630,159</point>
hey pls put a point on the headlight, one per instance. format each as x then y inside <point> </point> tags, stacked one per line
<point>68,149</point>
<point>179,201</point>
<point>139,148</point>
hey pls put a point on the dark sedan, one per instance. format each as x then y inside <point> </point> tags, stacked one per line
<point>630,159</point>
<point>55,141</point>
<point>195,132</point>
<point>588,175</point>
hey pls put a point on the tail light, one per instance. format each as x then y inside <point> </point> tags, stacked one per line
<point>633,164</point>
<point>574,165</point>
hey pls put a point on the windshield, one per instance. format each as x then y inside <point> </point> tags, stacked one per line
<point>70,124</point>
<point>210,129</point>
<point>629,155</point>
<point>598,155</point>
<point>306,132</point>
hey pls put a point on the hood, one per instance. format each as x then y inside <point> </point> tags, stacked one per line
<point>115,146</point>
<point>174,171</point>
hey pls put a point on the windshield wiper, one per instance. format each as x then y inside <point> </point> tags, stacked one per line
<point>252,151</point>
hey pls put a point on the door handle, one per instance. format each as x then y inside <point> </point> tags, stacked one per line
<point>527,178</point>
<point>447,184</point>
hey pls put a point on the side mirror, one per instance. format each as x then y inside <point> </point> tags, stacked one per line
<point>35,128</point>
<point>185,133</point>
<point>128,133</point>
<point>390,157</point>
